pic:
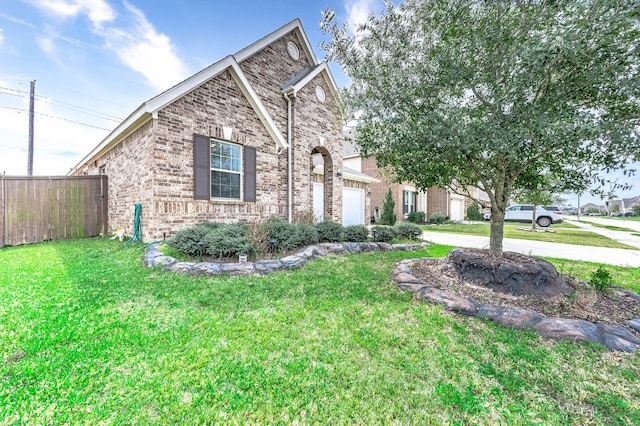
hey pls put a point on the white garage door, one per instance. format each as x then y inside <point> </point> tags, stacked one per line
<point>457,209</point>
<point>352,206</point>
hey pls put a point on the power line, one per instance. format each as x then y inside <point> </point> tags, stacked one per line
<point>22,110</point>
<point>83,110</point>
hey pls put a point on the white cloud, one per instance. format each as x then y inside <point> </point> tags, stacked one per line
<point>46,45</point>
<point>358,11</point>
<point>98,11</point>
<point>130,36</point>
<point>142,48</point>
<point>1,38</point>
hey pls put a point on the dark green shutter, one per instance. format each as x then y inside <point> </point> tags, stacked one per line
<point>201,167</point>
<point>415,201</point>
<point>249,174</point>
<point>404,203</point>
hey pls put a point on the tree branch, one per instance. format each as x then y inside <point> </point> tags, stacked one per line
<point>482,98</point>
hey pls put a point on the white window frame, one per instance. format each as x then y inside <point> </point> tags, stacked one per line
<point>239,172</point>
<point>408,195</point>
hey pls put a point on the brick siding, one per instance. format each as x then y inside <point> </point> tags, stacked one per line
<point>154,165</point>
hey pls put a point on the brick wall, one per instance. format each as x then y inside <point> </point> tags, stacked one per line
<point>154,165</point>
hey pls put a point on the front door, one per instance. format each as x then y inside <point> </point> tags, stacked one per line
<point>318,202</point>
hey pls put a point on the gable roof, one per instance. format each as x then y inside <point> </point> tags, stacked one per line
<point>149,109</point>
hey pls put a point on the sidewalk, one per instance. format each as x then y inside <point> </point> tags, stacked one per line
<point>631,224</point>
<point>610,256</point>
<point>619,236</point>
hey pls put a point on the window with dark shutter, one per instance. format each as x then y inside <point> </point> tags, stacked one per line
<point>249,174</point>
<point>405,202</point>
<point>201,167</point>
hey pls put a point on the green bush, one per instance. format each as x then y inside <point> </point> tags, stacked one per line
<point>417,217</point>
<point>185,240</point>
<point>636,209</point>
<point>437,218</point>
<point>408,231</point>
<point>355,233</point>
<point>601,279</point>
<point>474,212</point>
<point>329,231</point>
<point>383,233</point>
<point>388,216</point>
<point>283,233</point>
<point>305,235</point>
<point>228,241</point>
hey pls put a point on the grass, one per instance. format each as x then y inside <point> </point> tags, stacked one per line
<point>634,218</point>
<point>90,336</point>
<point>610,227</point>
<point>564,235</point>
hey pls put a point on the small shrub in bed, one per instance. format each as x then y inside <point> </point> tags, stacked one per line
<point>355,233</point>
<point>228,241</point>
<point>437,218</point>
<point>186,240</point>
<point>408,231</point>
<point>383,233</point>
<point>329,231</point>
<point>417,217</point>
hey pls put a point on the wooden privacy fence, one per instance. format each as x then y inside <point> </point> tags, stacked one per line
<point>36,209</point>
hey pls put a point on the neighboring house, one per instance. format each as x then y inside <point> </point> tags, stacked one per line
<point>627,203</point>
<point>406,196</point>
<point>235,141</point>
<point>590,206</point>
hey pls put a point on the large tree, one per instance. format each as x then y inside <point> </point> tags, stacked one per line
<point>498,95</point>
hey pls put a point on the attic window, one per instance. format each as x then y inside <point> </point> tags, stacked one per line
<point>320,94</point>
<point>293,50</point>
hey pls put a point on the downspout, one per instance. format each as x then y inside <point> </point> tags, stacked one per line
<point>289,157</point>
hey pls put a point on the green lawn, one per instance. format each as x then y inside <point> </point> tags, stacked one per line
<point>561,234</point>
<point>90,336</point>
<point>634,218</point>
<point>611,227</point>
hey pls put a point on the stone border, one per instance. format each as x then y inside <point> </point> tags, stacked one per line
<point>154,257</point>
<point>613,337</point>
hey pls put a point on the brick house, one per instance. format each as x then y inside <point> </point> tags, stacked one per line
<point>405,194</point>
<point>235,141</point>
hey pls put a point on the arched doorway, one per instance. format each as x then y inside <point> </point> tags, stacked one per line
<point>322,184</point>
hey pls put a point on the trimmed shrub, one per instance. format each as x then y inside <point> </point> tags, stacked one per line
<point>437,218</point>
<point>355,233</point>
<point>283,232</point>
<point>383,233</point>
<point>290,236</point>
<point>474,212</point>
<point>185,240</point>
<point>305,235</point>
<point>329,231</point>
<point>408,231</point>
<point>388,216</point>
<point>229,241</point>
<point>417,217</point>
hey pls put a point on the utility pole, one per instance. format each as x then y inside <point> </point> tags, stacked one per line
<point>31,112</point>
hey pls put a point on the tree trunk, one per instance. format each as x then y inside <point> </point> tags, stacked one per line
<point>533,217</point>
<point>497,232</point>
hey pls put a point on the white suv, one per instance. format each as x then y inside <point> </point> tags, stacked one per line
<point>524,213</point>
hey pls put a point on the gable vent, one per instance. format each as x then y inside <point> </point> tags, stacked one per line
<point>293,50</point>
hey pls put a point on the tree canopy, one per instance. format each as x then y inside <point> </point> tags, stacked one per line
<point>499,95</point>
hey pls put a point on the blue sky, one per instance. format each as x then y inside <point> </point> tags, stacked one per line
<point>95,61</point>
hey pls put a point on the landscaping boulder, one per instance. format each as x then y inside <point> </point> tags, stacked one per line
<point>514,273</point>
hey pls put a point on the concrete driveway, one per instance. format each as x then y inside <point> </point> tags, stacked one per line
<point>610,256</point>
